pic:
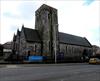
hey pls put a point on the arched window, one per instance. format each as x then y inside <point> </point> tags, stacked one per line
<point>66,49</point>
<point>35,48</point>
<point>28,53</point>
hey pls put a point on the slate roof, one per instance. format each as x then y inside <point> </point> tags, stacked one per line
<point>31,35</point>
<point>18,32</point>
<point>14,37</point>
<point>74,40</point>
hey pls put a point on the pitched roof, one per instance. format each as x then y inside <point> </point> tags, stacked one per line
<point>74,40</point>
<point>18,32</point>
<point>46,7</point>
<point>14,37</point>
<point>31,35</point>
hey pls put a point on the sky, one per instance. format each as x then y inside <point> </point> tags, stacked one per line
<point>76,17</point>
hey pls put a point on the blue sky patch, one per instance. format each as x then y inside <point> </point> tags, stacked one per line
<point>88,2</point>
<point>10,15</point>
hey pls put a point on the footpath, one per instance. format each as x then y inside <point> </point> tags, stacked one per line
<point>39,65</point>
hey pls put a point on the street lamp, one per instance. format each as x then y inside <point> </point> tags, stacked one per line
<point>55,53</point>
<point>56,25</point>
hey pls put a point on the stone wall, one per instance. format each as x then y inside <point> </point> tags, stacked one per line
<point>23,43</point>
<point>34,48</point>
<point>73,51</point>
<point>46,22</point>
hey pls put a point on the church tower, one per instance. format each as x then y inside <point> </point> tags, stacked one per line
<point>46,22</point>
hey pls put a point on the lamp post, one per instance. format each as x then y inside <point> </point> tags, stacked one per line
<point>55,53</point>
<point>55,29</point>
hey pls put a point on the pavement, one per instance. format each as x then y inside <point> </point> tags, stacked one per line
<point>50,72</point>
<point>37,65</point>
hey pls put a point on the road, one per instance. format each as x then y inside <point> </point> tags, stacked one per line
<point>50,72</point>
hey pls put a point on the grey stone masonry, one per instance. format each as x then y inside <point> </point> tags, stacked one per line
<point>46,22</point>
<point>46,40</point>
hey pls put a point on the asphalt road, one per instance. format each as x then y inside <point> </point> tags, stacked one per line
<point>50,72</point>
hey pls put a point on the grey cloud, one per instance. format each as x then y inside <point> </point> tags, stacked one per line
<point>26,10</point>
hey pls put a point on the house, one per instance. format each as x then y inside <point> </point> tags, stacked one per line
<point>96,51</point>
<point>7,50</point>
<point>46,40</point>
<point>1,51</point>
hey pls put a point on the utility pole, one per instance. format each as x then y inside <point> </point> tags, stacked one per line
<point>55,53</point>
<point>55,42</point>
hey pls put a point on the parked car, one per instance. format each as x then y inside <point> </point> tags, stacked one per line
<point>94,61</point>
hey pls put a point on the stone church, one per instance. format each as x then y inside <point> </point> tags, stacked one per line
<point>46,40</point>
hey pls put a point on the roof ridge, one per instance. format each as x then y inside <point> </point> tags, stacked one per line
<point>71,34</point>
<point>72,39</point>
<point>28,28</point>
<point>31,35</point>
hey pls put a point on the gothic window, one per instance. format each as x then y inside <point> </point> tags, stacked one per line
<point>59,48</point>
<point>66,49</point>
<point>35,48</point>
<point>49,45</point>
<point>28,53</point>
